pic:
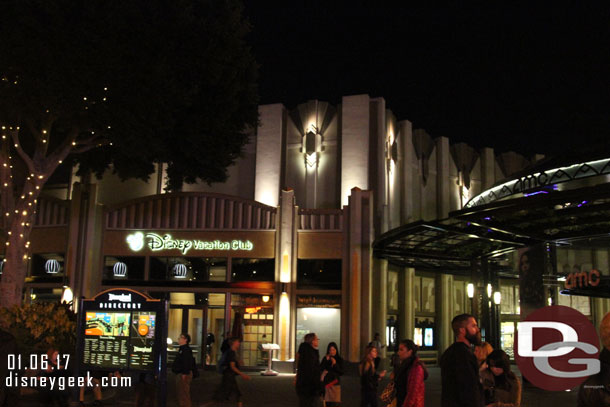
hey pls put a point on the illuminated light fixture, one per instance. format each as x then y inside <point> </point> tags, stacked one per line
<point>179,270</point>
<point>470,290</point>
<point>312,146</point>
<point>265,298</point>
<point>119,269</point>
<point>52,266</point>
<point>549,301</point>
<point>169,341</point>
<point>489,290</point>
<point>67,296</point>
<point>497,297</point>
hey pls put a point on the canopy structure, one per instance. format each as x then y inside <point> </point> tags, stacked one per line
<point>577,217</point>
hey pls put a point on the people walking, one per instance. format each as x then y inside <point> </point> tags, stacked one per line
<point>376,342</point>
<point>459,367</point>
<point>501,386</point>
<point>183,368</point>
<point>228,388</point>
<point>369,377</point>
<point>308,383</point>
<point>332,369</point>
<point>409,376</point>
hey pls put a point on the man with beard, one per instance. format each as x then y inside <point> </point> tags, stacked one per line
<point>459,367</point>
<point>308,384</point>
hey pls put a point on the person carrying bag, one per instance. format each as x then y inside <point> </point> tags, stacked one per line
<point>332,369</point>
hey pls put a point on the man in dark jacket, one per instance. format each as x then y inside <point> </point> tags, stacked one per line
<point>8,346</point>
<point>183,367</point>
<point>309,386</point>
<point>459,367</point>
<point>595,391</point>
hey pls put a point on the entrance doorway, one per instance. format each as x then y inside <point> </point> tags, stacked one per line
<point>201,315</point>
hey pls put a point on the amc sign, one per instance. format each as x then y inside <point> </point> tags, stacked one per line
<point>583,279</point>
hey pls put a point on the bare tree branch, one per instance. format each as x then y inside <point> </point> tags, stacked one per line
<point>24,156</point>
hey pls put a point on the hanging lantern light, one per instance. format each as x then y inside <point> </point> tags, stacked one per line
<point>52,266</point>
<point>119,269</point>
<point>179,270</point>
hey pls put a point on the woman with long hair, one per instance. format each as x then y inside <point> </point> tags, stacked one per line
<point>332,369</point>
<point>409,376</point>
<point>369,378</point>
<point>502,387</point>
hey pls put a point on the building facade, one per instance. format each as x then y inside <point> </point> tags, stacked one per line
<point>285,245</point>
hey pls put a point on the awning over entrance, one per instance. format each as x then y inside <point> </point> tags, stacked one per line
<point>576,217</point>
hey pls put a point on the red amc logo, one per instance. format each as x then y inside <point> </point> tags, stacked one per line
<point>557,348</point>
<point>583,279</point>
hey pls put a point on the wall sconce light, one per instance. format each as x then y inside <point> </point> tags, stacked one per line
<point>119,269</point>
<point>470,290</point>
<point>497,297</point>
<point>312,146</point>
<point>265,298</point>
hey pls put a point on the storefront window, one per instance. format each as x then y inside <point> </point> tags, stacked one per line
<point>47,266</point>
<point>428,296</point>
<point>322,315</point>
<point>252,321</point>
<point>579,303</point>
<point>393,290</point>
<point>201,269</point>
<point>124,268</point>
<point>252,269</point>
<point>322,274</point>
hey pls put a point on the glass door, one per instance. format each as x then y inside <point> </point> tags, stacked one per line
<point>189,319</point>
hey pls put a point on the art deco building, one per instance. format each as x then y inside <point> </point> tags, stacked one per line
<point>339,219</point>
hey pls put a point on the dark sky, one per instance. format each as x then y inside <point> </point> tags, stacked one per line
<point>522,76</point>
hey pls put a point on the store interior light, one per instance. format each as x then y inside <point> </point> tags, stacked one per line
<point>488,290</point>
<point>470,290</point>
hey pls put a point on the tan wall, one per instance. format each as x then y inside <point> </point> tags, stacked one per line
<point>49,240</point>
<point>320,245</point>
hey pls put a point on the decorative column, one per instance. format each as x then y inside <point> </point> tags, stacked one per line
<point>380,305</point>
<point>359,230</point>
<point>285,311</point>
<point>445,310</point>
<point>406,309</point>
<point>269,152</point>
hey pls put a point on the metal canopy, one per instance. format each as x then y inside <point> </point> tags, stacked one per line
<point>579,217</point>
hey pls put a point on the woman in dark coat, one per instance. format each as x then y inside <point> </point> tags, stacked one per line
<point>369,378</point>
<point>409,376</point>
<point>502,387</point>
<point>332,369</point>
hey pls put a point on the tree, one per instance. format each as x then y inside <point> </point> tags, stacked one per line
<point>119,84</point>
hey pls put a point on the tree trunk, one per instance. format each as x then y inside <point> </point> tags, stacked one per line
<point>14,270</point>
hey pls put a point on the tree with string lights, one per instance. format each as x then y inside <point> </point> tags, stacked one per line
<point>119,85</point>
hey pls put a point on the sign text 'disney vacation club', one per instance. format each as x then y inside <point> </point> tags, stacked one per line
<point>155,242</point>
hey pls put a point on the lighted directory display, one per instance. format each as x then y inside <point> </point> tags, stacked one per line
<point>119,340</point>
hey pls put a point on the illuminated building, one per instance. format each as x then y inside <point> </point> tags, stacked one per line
<point>286,244</point>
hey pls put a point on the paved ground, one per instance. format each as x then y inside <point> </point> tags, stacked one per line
<point>279,391</point>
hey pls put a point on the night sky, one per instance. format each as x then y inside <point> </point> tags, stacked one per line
<point>524,77</point>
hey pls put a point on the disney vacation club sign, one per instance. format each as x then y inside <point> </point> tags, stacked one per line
<point>156,242</point>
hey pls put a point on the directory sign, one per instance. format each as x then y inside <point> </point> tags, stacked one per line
<point>121,329</point>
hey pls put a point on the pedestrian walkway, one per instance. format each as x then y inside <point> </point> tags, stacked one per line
<point>278,391</point>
